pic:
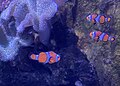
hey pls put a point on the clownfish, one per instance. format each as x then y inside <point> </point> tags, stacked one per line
<point>46,57</point>
<point>99,36</point>
<point>97,18</point>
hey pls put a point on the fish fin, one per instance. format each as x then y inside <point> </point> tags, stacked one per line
<point>96,39</point>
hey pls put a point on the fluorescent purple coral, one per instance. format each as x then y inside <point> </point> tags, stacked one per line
<point>4,4</point>
<point>37,13</point>
<point>34,13</point>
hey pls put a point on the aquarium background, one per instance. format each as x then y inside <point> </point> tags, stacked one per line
<point>84,62</point>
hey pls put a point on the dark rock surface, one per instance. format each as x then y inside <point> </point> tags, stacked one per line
<point>105,56</point>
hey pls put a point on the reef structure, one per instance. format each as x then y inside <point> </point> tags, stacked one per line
<point>4,4</point>
<point>34,13</point>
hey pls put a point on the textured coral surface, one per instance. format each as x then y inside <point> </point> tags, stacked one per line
<point>105,56</point>
<point>31,13</point>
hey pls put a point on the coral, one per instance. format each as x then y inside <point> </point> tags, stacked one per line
<point>34,13</point>
<point>27,13</point>
<point>4,4</point>
<point>9,52</point>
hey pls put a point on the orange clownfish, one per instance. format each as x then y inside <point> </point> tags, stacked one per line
<point>46,57</point>
<point>97,18</point>
<point>99,36</point>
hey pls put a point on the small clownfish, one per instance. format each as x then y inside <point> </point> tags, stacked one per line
<point>46,57</point>
<point>99,36</point>
<point>97,18</point>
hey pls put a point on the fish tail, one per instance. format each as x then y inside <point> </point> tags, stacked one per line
<point>33,57</point>
<point>107,19</point>
<point>111,38</point>
<point>57,57</point>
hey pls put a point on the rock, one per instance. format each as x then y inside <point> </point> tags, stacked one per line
<point>104,56</point>
<point>78,83</point>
